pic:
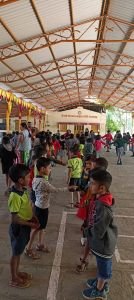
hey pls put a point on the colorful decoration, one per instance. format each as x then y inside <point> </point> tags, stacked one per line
<point>10,98</point>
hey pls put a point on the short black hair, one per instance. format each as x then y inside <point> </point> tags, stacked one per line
<point>89,157</point>
<point>89,140</point>
<point>102,177</point>
<point>74,150</point>
<point>98,137</point>
<point>119,136</point>
<point>101,162</point>
<point>6,140</point>
<point>24,125</point>
<point>18,171</point>
<point>39,151</point>
<point>43,162</point>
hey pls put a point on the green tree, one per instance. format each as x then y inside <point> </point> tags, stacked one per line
<point>111,124</point>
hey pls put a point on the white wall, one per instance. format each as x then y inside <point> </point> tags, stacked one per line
<point>76,116</point>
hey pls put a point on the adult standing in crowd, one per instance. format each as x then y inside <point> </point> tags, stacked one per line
<point>24,143</point>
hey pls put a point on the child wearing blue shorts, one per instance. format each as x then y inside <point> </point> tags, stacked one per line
<point>22,220</point>
<point>102,234</point>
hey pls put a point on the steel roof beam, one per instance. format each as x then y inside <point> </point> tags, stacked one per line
<point>6,2</point>
<point>15,40</point>
<point>47,40</point>
<point>127,36</point>
<point>48,64</point>
<point>100,36</point>
<point>33,72</point>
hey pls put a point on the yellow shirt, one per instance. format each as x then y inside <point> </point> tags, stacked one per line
<point>76,166</point>
<point>81,148</point>
<point>19,203</point>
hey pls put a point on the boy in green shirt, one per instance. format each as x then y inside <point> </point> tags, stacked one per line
<point>22,220</point>
<point>75,168</point>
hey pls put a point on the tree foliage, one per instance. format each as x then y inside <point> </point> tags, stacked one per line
<point>111,124</point>
<point>115,119</point>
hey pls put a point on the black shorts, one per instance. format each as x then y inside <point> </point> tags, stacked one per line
<point>19,236</point>
<point>42,215</point>
<point>75,181</point>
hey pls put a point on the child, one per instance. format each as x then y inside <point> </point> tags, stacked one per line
<point>84,211</point>
<point>108,137</point>
<point>21,224</point>
<point>88,149</point>
<point>56,145</point>
<point>81,146</point>
<point>119,143</point>
<point>98,145</point>
<point>86,173</point>
<point>102,234</point>
<point>62,148</point>
<point>8,157</point>
<point>75,167</point>
<point>42,189</point>
<point>100,162</point>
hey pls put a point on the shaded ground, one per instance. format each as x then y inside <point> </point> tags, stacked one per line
<point>70,283</point>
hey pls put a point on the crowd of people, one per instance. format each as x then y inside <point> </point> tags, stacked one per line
<point>27,159</point>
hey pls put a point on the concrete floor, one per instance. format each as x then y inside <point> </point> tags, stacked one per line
<point>62,261</point>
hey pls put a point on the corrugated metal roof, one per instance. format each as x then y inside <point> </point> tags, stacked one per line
<point>62,50</point>
<point>41,56</point>
<point>4,36</point>
<point>86,9</point>
<point>54,13</point>
<point>122,9</point>
<point>17,63</point>
<point>21,19</point>
<point>3,69</point>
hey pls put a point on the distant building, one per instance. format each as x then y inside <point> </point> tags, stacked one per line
<point>77,120</point>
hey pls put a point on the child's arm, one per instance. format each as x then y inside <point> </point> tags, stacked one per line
<point>16,219</point>
<point>46,186</point>
<point>103,219</point>
<point>103,143</point>
<point>69,175</point>
<point>56,161</point>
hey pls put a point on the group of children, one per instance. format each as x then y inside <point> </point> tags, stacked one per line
<point>57,145</point>
<point>87,175</point>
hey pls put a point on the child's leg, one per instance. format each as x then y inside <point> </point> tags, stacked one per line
<point>107,146</point>
<point>86,252</point>
<point>42,215</point>
<point>100,284</point>
<point>84,263</point>
<point>16,279</point>
<point>9,181</point>
<point>32,238</point>
<point>78,197</point>
<point>14,265</point>
<point>41,237</point>
<point>72,200</point>
<point>118,155</point>
<point>104,267</point>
